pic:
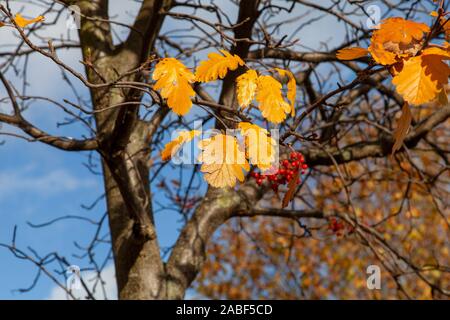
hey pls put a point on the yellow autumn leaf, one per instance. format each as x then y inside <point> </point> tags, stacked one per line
<point>400,30</point>
<point>291,86</point>
<point>379,53</point>
<point>223,161</point>
<point>22,22</point>
<point>217,66</point>
<point>445,25</point>
<point>422,78</point>
<point>259,146</point>
<point>246,85</point>
<point>173,146</point>
<point>444,54</point>
<point>351,53</point>
<point>396,38</point>
<point>174,79</point>
<point>270,99</point>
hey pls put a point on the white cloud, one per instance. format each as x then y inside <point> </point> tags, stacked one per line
<point>50,183</point>
<point>109,288</point>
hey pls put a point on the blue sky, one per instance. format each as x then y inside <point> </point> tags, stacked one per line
<point>39,183</point>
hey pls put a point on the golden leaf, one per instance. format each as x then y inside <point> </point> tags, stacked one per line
<point>260,147</point>
<point>173,146</point>
<point>422,78</point>
<point>217,66</point>
<point>174,81</point>
<point>271,102</point>
<point>400,30</point>
<point>379,53</point>
<point>445,24</point>
<point>443,54</point>
<point>246,85</point>
<point>351,53</point>
<point>402,127</point>
<point>292,88</point>
<point>22,22</point>
<point>223,161</point>
<point>396,38</point>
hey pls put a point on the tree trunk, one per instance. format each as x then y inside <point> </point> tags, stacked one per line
<point>139,269</point>
<point>124,146</point>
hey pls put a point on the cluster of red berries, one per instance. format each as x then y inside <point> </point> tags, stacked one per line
<point>339,228</point>
<point>336,226</point>
<point>286,172</point>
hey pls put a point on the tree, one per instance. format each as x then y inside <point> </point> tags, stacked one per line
<point>374,189</point>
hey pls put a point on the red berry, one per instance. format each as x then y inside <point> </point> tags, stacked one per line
<point>285,163</point>
<point>282,171</point>
<point>259,181</point>
<point>304,166</point>
<point>293,155</point>
<point>295,164</point>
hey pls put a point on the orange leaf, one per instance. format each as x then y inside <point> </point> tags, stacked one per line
<point>217,66</point>
<point>402,127</point>
<point>173,146</point>
<point>351,53</point>
<point>443,54</point>
<point>379,53</point>
<point>445,24</point>
<point>422,78</point>
<point>443,97</point>
<point>400,30</point>
<point>22,22</point>
<point>396,38</point>
<point>292,187</point>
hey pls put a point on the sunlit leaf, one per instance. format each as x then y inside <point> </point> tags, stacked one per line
<point>351,53</point>
<point>259,146</point>
<point>223,161</point>
<point>246,85</point>
<point>174,79</point>
<point>173,146</point>
<point>217,66</point>
<point>270,99</point>
<point>22,22</point>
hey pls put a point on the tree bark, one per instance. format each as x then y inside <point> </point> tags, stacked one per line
<point>124,145</point>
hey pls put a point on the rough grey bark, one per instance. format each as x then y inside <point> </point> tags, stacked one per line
<point>124,146</point>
